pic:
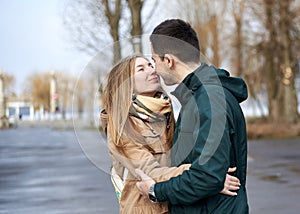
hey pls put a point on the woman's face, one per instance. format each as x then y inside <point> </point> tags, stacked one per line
<point>146,80</point>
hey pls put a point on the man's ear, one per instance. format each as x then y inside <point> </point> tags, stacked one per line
<point>169,58</point>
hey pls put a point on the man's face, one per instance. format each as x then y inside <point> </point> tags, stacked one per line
<point>163,69</point>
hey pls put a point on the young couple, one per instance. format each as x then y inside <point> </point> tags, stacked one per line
<point>181,167</point>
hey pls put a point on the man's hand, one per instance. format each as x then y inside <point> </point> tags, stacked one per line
<point>145,183</point>
<point>231,184</point>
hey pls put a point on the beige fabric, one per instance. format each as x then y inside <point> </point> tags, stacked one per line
<point>152,158</point>
<point>158,105</point>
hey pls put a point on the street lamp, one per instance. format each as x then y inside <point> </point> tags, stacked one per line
<point>53,93</point>
<point>2,101</point>
<point>3,119</point>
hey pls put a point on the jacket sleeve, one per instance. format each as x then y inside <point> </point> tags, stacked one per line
<point>134,155</point>
<point>209,153</point>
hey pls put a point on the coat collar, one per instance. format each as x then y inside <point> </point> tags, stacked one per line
<point>190,84</point>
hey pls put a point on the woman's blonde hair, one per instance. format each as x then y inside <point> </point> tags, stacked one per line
<point>117,96</point>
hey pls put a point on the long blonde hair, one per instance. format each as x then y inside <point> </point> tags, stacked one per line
<point>117,96</point>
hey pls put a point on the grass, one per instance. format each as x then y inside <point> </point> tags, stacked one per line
<point>261,128</point>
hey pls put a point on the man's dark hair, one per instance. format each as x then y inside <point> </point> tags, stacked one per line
<point>177,37</point>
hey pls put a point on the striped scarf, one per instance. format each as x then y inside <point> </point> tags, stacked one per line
<point>151,108</point>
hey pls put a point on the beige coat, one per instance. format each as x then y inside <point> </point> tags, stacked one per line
<point>151,157</point>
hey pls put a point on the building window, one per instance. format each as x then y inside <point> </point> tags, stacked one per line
<point>25,110</point>
<point>11,111</point>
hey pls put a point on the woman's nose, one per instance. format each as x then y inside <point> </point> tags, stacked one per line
<point>152,70</point>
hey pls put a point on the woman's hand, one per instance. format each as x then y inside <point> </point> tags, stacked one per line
<point>145,182</point>
<point>231,184</point>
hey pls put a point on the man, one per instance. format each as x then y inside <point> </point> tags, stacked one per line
<point>210,131</point>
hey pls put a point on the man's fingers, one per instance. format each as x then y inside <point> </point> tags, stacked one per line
<point>231,184</point>
<point>232,187</point>
<point>233,180</point>
<point>227,192</point>
<point>142,175</point>
<point>231,169</point>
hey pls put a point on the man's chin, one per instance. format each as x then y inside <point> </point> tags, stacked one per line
<point>170,83</point>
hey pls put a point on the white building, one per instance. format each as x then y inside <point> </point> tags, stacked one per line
<point>20,109</point>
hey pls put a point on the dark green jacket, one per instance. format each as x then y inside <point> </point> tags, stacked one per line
<point>210,133</point>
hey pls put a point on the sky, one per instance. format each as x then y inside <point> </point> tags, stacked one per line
<point>33,39</point>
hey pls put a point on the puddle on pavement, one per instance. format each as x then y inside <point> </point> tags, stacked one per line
<point>294,170</point>
<point>274,178</point>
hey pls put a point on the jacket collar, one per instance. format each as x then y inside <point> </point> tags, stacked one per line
<point>190,84</point>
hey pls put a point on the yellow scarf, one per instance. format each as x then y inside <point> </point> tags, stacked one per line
<point>151,108</point>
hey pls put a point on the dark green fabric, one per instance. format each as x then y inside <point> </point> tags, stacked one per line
<point>211,134</point>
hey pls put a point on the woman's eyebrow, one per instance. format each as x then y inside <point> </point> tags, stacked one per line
<point>143,65</point>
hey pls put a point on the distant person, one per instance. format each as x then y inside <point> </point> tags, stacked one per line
<point>210,132</point>
<point>139,122</point>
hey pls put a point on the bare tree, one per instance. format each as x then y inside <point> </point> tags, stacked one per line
<point>135,7</point>
<point>79,96</point>
<point>280,57</point>
<point>9,83</point>
<point>238,15</point>
<point>94,24</point>
<point>288,61</point>
<point>65,85</point>
<point>39,88</point>
<point>6,93</point>
<point>205,18</point>
<point>113,15</point>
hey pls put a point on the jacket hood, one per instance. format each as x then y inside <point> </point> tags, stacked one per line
<point>235,85</point>
<point>209,75</point>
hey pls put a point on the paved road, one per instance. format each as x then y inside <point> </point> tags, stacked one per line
<point>44,170</point>
<point>274,176</point>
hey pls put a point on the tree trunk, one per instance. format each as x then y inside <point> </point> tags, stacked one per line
<point>271,58</point>
<point>238,14</point>
<point>289,96</point>
<point>215,43</point>
<point>135,7</point>
<point>113,17</point>
<point>280,76</point>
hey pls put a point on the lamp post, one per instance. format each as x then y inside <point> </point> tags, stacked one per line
<point>53,93</point>
<point>3,119</point>
<point>2,101</point>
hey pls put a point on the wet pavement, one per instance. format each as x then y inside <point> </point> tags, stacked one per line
<point>44,170</point>
<point>274,176</point>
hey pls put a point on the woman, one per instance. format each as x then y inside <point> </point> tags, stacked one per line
<point>139,123</point>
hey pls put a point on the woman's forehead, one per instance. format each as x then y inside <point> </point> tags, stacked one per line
<point>140,60</point>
